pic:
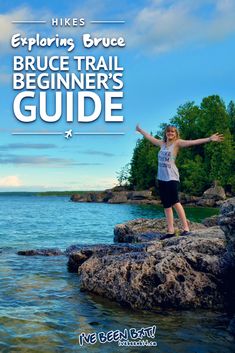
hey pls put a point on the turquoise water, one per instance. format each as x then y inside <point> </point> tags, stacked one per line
<point>41,306</point>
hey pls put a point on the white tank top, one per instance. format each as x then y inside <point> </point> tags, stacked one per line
<point>167,169</point>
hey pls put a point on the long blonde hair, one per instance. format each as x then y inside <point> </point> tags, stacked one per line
<point>169,127</point>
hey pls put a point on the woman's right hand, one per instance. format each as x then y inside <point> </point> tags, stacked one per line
<point>216,137</point>
<point>138,128</point>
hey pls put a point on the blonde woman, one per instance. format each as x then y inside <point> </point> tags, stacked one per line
<point>168,174</point>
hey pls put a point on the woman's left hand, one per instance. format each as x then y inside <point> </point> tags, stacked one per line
<point>217,137</point>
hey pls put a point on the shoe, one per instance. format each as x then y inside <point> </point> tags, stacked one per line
<point>167,236</point>
<point>185,233</point>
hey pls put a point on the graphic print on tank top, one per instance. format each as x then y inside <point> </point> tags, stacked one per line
<point>167,169</point>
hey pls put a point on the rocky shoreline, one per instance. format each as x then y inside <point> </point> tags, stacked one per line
<point>213,197</point>
<point>180,273</point>
<point>143,272</point>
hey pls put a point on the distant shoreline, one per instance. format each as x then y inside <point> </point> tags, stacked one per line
<point>43,193</point>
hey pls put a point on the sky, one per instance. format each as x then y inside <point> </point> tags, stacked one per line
<point>176,51</point>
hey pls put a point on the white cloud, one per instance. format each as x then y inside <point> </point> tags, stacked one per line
<point>10,181</point>
<point>164,25</point>
<point>7,28</point>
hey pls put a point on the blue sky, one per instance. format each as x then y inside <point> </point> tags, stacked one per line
<point>176,51</point>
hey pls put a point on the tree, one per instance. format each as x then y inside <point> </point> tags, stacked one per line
<point>231,115</point>
<point>218,157</point>
<point>187,121</point>
<point>143,166</point>
<point>123,175</point>
<point>195,178</point>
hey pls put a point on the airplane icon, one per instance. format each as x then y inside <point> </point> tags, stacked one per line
<point>68,134</point>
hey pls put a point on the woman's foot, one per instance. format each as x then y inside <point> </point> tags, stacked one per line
<point>185,233</point>
<point>167,236</point>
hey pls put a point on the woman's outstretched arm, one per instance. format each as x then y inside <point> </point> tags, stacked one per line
<point>188,143</point>
<point>149,137</point>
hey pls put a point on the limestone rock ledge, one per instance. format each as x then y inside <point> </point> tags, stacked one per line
<point>181,272</point>
<point>213,197</point>
<point>78,254</point>
<point>144,229</point>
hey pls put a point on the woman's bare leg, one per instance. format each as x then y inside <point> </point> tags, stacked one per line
<point>181,214</point>
<point>169,219</point>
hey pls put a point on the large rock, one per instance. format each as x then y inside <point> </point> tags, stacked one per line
<point>90,197</point>
<point>84,197</point>
<point>227,220</point>
<point>143,229</point>
<point>188,199</point>
<point>195,271</point>
<point>227,223</point>
<point>80,253</point>
<point>216,193</point>
<point>212,197</point>
<point>140,195</point>
<point>203,202</point>
<point>179,272</point>
<point>211,221</point>
<point>119,197</point>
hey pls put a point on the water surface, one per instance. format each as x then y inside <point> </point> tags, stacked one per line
<point>41,306</point>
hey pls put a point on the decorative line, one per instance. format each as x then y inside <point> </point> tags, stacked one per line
<point>37,133</point>
<point>108,22</point>
<point>99,133</point>
<point>62,133</point>
<point>22,22</point>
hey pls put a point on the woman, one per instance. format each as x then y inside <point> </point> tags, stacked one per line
<point>168,175</point>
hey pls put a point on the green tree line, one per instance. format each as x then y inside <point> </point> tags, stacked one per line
<point>199,166</point>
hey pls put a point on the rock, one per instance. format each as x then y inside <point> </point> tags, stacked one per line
<point>91,197</point>
<point>119,197</point>
<point>188,199</point>
<point>195,271</point>
<point>144,202</point>
<point>211,221</point>
<point>231,327</point>
<point>78,198</point>
<point>219,203</point>
<point>137,230</point>
<point>140,195</point>
<point>216,193</point>
<point>181,272</point>
<point>206,202</point>
<point>41,252</point>
<point>80,253</point>
<point>212,197</point>
<point>227,221</point>
<point>115,195</point>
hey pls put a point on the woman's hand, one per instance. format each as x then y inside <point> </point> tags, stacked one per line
<point>216,137</point>
<point>149,137</point>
